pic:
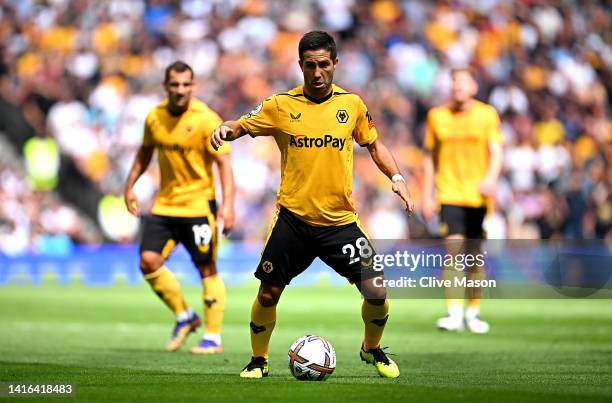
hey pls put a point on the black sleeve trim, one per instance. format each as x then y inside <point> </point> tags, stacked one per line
<point>291,95</point>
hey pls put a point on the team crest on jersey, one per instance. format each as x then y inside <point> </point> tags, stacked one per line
<point>255,111</point>
<point>342,116</point>
<point>267,266</point>
<point>295,118</point>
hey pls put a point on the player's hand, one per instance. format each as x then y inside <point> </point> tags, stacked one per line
<point>400,188</point>
<point>219,135</point>
<point>131,202</point>
<point>487,187</point>
<point>227,216</point>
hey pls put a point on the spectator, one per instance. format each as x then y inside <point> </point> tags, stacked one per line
<point>85,73</point>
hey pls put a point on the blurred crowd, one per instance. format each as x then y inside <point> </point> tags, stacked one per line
<point>33,219</point>
<point>85,73</point>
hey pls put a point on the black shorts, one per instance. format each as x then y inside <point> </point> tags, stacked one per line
<point>292,245</point>
<point>466,221</point>
<point>198,235</point>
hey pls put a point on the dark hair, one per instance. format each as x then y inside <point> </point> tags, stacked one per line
<point>179,67</point>
<point>315,40</point>
<point>465,69</point>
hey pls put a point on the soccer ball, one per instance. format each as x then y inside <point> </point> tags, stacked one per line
<point>311,358</point>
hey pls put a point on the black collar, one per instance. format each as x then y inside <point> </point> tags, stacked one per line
<point>318,100</point>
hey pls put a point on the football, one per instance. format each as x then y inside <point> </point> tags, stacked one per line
<point>312,358</point>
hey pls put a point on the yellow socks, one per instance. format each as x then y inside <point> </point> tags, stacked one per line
<point>263,320</point>
<point>214,295</point>
<point>168,289</point>
<point>454,295</point>
<point>473,306</point>
<point>475,293</point>
<point>375,317</point>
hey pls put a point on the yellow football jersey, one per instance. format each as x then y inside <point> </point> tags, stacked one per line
<point>459,142</point>
<point>315,138</point>
<point>184,154</point>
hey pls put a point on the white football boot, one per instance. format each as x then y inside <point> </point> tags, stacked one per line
<point>453,322</point>
<point>473,322</point>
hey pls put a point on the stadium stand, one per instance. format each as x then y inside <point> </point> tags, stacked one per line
<point>84,74</point>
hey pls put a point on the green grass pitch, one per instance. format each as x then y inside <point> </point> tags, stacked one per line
<point>109,342</point>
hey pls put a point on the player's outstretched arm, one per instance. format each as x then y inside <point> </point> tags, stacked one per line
<point>228,131</point>
<point>227,213</point>
<point>386,163</point>
<point>141,162</point>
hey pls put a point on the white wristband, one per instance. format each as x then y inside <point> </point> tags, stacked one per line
<point>398,178</point>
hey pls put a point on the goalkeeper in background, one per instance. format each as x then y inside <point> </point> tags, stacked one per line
<point>185,209</point>
<point>463,144</point>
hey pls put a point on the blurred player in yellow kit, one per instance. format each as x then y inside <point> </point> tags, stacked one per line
<point>463,145</point>
<point>314,126</point>
<point>185,209</point>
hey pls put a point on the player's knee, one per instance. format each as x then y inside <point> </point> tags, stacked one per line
<point>375,295</point>
<point>370,291</point>
<point>268,299</point>
<point>269,295</point>
<point>455,244</point>
<point>150,262</point>
<point>207,269</point>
